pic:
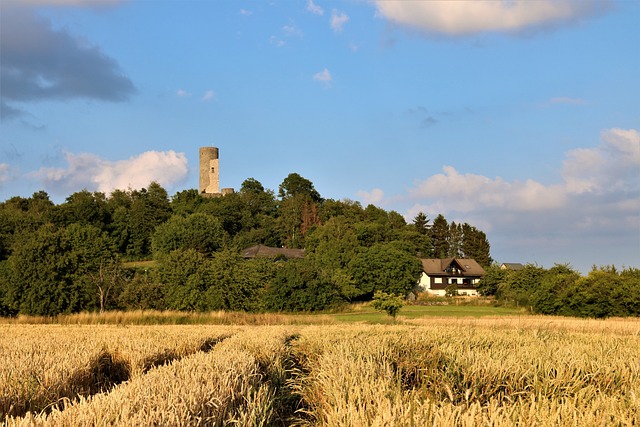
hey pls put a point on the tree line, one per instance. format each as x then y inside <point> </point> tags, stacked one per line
<point>560,290</point>
<point>80,254</point>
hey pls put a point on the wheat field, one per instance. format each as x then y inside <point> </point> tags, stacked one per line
<point>525,371</point>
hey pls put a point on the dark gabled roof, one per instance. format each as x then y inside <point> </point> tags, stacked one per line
<point>261,251</point>
<point>468,266</point>
<point>511,266</point>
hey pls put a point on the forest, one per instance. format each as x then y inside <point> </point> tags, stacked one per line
<point>560,290</point>
<point>141,249</point>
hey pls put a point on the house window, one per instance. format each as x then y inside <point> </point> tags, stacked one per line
<point>453,281</point>
<point>437,280</point>
<point>466,281</point>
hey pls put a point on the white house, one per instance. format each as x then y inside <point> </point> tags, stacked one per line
<point>440,274</point>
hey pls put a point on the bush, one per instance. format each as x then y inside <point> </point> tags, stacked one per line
<point>389,303</point>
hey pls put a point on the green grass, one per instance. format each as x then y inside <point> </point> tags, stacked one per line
<point>368,314</point>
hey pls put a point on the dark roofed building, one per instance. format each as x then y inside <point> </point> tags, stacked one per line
<point>438,274</point>
<point>262,251</point>
<point>515,266</point>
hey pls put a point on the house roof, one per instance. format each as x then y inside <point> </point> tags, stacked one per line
<point>261,251</point>
<point>467,266</point>
<point>511,266</point>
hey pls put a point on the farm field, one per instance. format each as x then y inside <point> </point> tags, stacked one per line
<point>444,371</point>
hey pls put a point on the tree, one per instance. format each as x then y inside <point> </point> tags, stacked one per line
<point>554,285</point>
<point>330,247</point>
<point>391,304</point>
<point>297,286</point>
<point>41,271</point>
<point>149,208</point>
<point>295,185</point>
<point>440,237</point>
<point>198,231</point>
<point>186,202</point>
<point>421,223</point>
<point>85,207</point>
<point>475,245</point>
<point>235,283</point>
<point>386,268</point>
<point>108,278</point>
<point>186,277</point>
<point>455,240</point>
<point>491,280</point>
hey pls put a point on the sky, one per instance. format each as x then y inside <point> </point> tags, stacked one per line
<point>519,117</point>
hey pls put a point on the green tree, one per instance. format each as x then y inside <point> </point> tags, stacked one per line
<point>198,231</point>
<point>493,277</point>
<point>236,284</point>
<point>384,267</point>
<point>475,245</point>
<point>330,247</point>
<point>85,207</point>
<point>440,237</point>
<point>41,270</point>
<point>295,185</point>
<point>421,223</point>
<point>186,202</point>
<point>297,286</point>
<point>390,304</point>
<point>143,293</point>
<point>149,208</point>
<point>554,284</point>
<point>186,277</point>
<point>518,286</point>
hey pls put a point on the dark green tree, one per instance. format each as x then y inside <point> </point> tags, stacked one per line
<point>297,286</point>
<point>185,275</point>
<point>186,202</point>
<point>295,185</point>
<point>421,223</point>
<point>475,245</point>
<point>42,269</point>
<point>439,235</point>
<point>198,231</point>
<point>384,267</point>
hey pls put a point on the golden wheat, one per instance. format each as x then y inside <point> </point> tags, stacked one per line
<point>523,371</point>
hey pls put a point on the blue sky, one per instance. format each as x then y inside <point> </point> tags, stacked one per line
<point>519,117</point>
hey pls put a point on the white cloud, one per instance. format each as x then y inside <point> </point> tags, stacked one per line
<point>456,18</point>
<point>591,215</point>
<point>324,77</point>
<point>96,174</point>
<point>277,42</point>
<point>314,8</point>
<point>181,93</point>
<point>5,173</point>
<point>338,20</point>
<point>614,165</point>
<point>470,192</point>
<point>374,196</point>
<point>208,95</point>
<point>291,30</point>
<point>245,12</point>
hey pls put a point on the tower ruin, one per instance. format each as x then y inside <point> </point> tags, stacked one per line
<point>210,173</point>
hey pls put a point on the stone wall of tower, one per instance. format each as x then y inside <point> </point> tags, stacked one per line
<point>209,171</point>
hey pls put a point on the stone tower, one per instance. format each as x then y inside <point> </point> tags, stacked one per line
<point>209,172</point>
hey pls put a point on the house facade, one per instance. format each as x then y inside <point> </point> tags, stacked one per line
<point>440,274</point>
